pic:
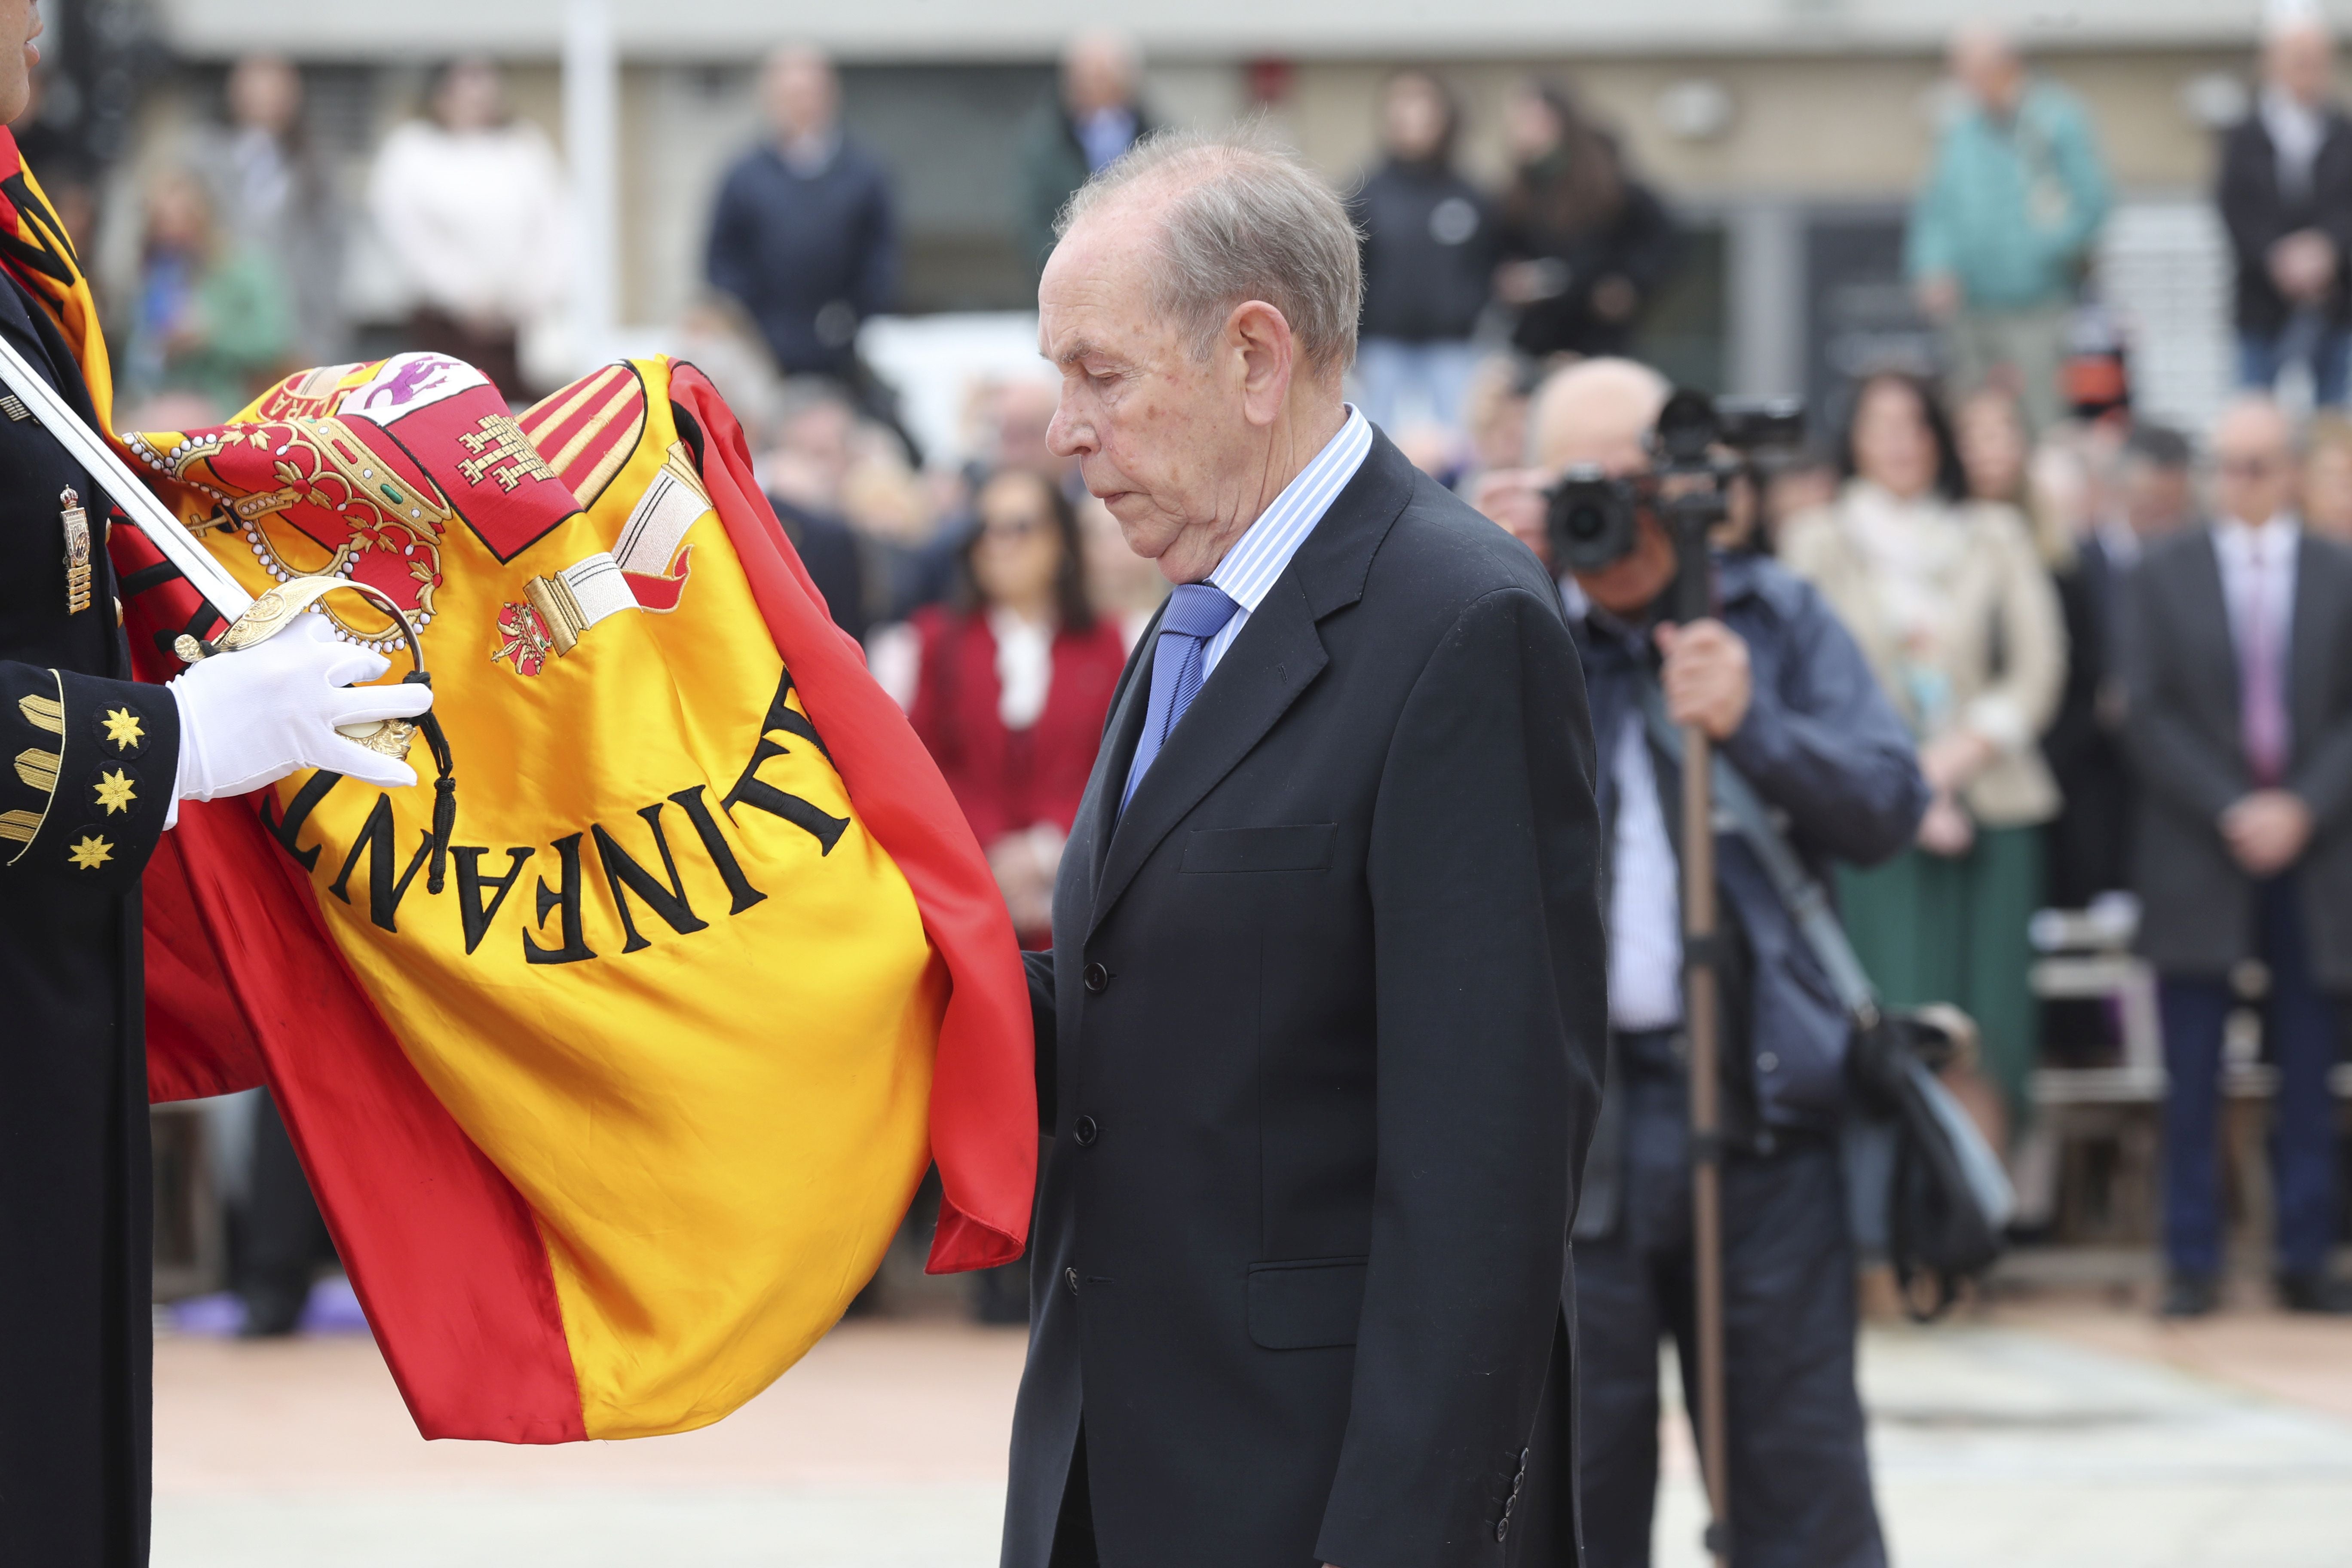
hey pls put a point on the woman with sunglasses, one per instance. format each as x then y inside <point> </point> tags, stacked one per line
<point>1015,677</point>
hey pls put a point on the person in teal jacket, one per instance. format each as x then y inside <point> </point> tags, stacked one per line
<point>2001,233</point>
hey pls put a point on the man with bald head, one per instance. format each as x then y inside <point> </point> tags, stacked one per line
<point>2237,671</point>
<point>2286,194</point>
<point>1319,1035</point>
<point>2002,230</point>
<point>1781,690</point>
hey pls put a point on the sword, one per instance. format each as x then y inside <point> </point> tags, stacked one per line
<point>248,620</point>
<point>148,514</point>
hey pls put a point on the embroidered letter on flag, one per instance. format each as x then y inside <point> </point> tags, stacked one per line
<point>612,1124</point>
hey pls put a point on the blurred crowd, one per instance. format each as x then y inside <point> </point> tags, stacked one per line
<point>1979,531</point>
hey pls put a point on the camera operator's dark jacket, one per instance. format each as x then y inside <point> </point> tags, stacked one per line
<point>1825,750</point>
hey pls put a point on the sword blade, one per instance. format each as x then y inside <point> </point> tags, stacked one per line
<point>119,479</point>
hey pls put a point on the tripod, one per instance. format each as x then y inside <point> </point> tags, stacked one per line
<point>1691,517</point>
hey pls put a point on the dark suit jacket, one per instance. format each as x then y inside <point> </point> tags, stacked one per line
<point>2180,668</point>
<point>75,1317</point>
<point>2088,840</point>
<point>2258,216</point>
<point>1317,1048</point>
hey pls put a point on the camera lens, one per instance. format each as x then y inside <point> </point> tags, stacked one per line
<point>1584,522</point>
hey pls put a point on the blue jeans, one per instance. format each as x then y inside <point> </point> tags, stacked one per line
<point>2327,350</point>
<point>1414,383</point>
<point>2300,1032</point>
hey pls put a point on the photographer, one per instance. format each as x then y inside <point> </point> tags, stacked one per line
<point>1777,684</point>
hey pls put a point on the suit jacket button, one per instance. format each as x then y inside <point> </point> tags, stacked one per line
<point>1096,978</point>
<point>1070,1278</point>
<point>1503,1528</point>
<point>1087,1132</point>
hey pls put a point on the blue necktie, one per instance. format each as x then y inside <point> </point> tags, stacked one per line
<point>1196,612</point>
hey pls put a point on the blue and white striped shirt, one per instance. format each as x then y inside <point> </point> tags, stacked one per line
<point>1248,571</point>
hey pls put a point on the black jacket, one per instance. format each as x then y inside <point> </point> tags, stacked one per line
<point>1318,1040</point>
<point>2258,216</point>
<point>810,255</point>
<point>2180,669</point>
<point>1431,242</point>
<point>92,762</point>
<point>1641,244</point>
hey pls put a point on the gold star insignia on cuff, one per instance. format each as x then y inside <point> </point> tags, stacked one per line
<point>122,728</point>
<point>114,791</point>
<point>91,852</point>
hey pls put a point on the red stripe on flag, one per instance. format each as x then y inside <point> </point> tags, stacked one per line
<point>241,978</point>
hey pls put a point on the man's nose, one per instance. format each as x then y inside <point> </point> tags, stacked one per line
<point>1066,435</point>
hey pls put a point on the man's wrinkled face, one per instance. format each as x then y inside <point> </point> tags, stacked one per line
<point>20,24</point>
<point>1159,432</point>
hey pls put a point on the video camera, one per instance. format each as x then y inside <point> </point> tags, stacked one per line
<point>1700,445</point>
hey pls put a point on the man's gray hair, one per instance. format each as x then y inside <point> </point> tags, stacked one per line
<point>1247,220</point>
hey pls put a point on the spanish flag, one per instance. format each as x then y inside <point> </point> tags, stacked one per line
<point>612,1097</point>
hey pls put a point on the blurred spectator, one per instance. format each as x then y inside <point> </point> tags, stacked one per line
<point>1587,245</point>
<point>2286,194</point>
<point>2327,477</point>
<point>804,233</point>
<point>2084,841</point>
<point>1010,684</point>
<point>805,468</point>
<point>47,143</point>
<point>1431,243</point>
<point>1949,600</point>
<point>211,315</point>
<point>1022,414</point>
<point>470,203</point>
<point>1797,486</point>
<point>2155,493</point>
<point>1495,416</point>
<point>2237,666</point>
<point>2001,232</point>
<point>274,192</point>
<point>1096,116</point>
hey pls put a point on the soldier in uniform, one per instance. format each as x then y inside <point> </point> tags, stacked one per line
<point>93,766</point>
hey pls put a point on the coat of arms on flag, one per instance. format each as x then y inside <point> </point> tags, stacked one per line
<point>612,1126</point>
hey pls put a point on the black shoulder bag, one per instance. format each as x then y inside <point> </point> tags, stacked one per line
<point>1947,1201</point>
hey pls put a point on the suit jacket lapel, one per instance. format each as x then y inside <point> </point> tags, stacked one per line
<point>2208,611</point>
<point>1277,655</point>
<point>1270,663</point>
<point>1099,806</point>
<point>2314,612</point>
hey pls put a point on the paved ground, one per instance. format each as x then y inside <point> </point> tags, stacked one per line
<point>2049,1434</point>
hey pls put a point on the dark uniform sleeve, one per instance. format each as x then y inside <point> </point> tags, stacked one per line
<point>92,763</point>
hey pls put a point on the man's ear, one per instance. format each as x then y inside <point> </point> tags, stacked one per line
<point>1261,348</point>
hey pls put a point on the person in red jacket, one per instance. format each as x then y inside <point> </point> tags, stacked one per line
<point>1015,678</point>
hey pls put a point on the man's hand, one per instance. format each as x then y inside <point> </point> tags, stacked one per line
<point>1952,759</point>
<point>2266,830</point>
<point>1707,678</point>
<point>250,718</point>
<point>2303,265</point>
<point>1515,498</point>
<point>1947,829</point>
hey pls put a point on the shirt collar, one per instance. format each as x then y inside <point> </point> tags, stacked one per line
<point>1250,568</point>
<point>2240,534</point>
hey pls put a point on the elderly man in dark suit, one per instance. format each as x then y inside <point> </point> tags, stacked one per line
<point>1319,1035</point>
<point>2237,666</point>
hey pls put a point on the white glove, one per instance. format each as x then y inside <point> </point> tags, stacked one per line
<point>250,717</point>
